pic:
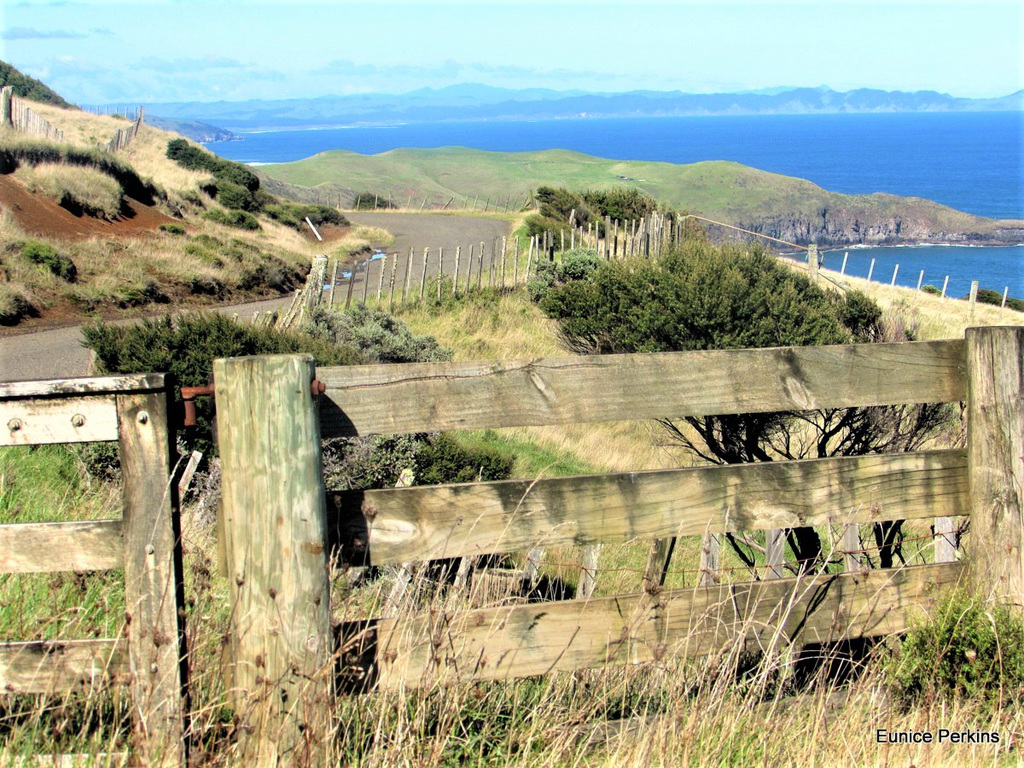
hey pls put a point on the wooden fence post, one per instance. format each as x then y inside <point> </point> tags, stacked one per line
<point>455,276</point>
<point>588,573</point>
<point>275,530</point>
<point>775,552</point>
<point>656,569</point>
<point>334,285</point>
<point>995,461</point>
<point>710,546</point>
<point>851,547</point>
<point>154,592</point>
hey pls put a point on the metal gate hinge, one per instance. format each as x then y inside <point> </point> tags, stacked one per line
<point>189,395</point>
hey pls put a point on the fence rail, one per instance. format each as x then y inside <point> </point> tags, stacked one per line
<point>281,525</point>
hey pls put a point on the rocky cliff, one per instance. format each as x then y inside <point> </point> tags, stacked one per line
<point>844,227</point>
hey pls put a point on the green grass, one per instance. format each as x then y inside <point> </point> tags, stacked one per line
<point>531,460</point>
<point>718,189</point>
<point>48,484</point>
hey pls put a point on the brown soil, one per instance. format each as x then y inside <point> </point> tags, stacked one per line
<point>39,215</point>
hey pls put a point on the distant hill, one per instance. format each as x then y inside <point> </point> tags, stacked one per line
<point>28,87</point>
<point>478,102</point>
<point>192,129</point>
<point>780,206</point>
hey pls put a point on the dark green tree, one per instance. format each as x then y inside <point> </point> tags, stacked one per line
<point>709,297</point>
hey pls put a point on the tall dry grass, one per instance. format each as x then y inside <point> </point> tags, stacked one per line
<point>936,317</point>
<point>88,189</point>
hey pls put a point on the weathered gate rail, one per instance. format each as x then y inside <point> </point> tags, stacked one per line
<point>134,411</point>
<point>280,523</point>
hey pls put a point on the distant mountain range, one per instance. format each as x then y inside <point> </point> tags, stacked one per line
<point>481,102</point>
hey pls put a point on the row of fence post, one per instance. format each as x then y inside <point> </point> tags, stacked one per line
<point>15,113</point>
<point>972,297</point>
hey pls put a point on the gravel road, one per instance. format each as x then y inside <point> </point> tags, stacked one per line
<point>59,353</point>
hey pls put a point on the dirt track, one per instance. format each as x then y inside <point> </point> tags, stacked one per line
<point>432,230</point>
<point>59,353</point>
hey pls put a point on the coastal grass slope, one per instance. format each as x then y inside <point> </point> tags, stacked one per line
<point>776,205</point>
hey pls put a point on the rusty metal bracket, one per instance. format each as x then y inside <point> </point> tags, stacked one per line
<point>188,401</point>
<point>189,395</point>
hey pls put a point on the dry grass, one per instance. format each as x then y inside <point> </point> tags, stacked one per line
<point>90,190</point>
<point>147,153</point>
<point>937,318</point>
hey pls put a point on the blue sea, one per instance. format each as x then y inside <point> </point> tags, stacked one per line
<point>973,162</point>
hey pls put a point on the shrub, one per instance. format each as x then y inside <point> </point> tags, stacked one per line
<point>965,649</point>
<point>576,264</point>
<point>270,274</point>
<point>986,296</point>
<point>377,462</point>
<point>369,201</point>
<point>46,256</point>
<point>860,314</point>
<point>194,158</point>
<point>14,307</point>
<point>294,215</point>
<point>187,345</point>
<point>204,285</point>
<point>378,336</point>
<point>237,219</point>
<point>228,172</point>
<point>700,297</point>
<point>138,296</point>
<point>236,197</point>
<point>621,204</point>
<point>189,156</point>
<point>443,459</point>
<point>931,289</point>
<point>172,229</point>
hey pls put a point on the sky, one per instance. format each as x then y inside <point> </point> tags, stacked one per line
<point>148,51</point>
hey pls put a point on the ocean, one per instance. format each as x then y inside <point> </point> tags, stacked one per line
<point>971,161</point>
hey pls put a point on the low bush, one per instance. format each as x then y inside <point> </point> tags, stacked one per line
<point>14,306</point>
<point>172,229</point>
<point>235,197</point>
<point>139,296</point>
<point>369,201</point>
<point>205,285</point>
<point>576,264</point>
<point>965,649</point>
<point>379,337</point>
<point>986,296</point>
<point>294,215</point>
<point>187,345</point>
<point>47,257</point>
<point>238,219</point>
<point>271,274</point>
<point>444,459</point>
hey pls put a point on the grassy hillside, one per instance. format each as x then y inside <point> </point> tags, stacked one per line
<point>777,205</point>
<point>84,231</point>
